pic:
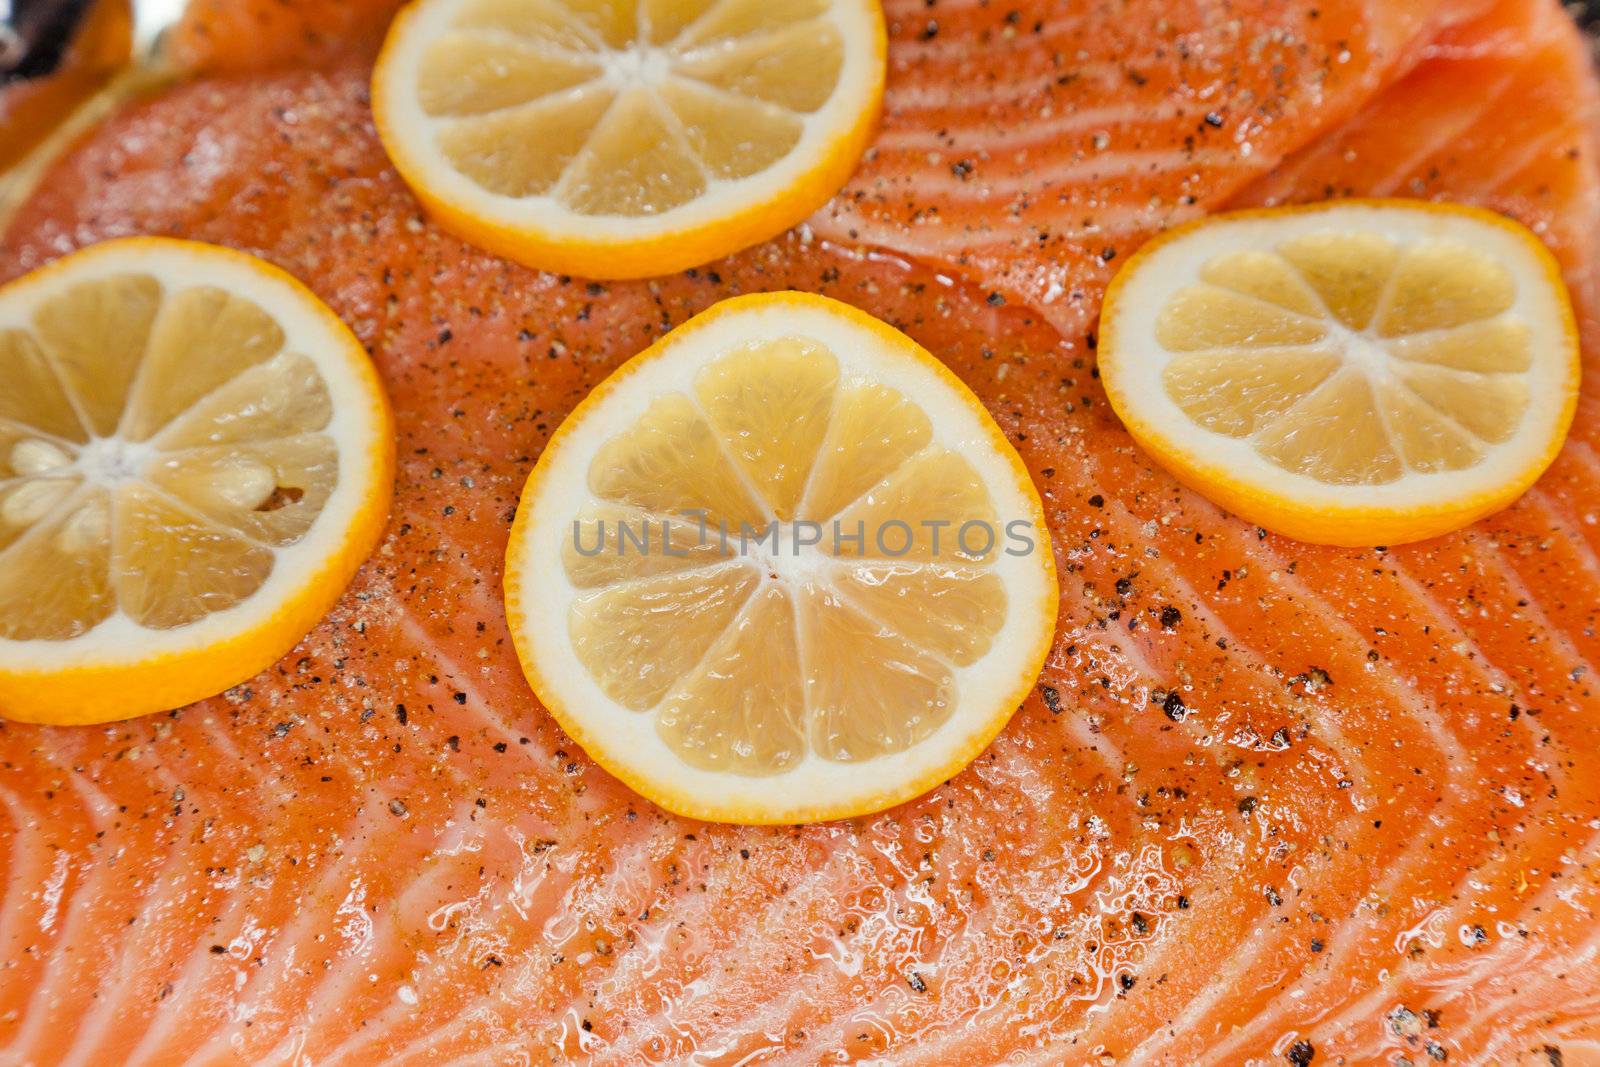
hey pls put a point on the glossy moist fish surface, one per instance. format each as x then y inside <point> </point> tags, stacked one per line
<point>1269,803</point>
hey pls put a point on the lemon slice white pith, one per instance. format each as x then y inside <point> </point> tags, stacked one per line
<point>776,682</point>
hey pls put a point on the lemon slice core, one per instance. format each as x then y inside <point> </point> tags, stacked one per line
<point>612,109</point>
<point>769,434</point>
<point>159,444</point>
<point>1342,357</point>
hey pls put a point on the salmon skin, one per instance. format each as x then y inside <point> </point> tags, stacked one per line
<point>1270,803</point>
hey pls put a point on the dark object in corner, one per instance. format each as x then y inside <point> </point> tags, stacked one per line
<point>34,35</point>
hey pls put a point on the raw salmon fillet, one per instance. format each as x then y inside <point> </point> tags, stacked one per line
<point>1271,803</point>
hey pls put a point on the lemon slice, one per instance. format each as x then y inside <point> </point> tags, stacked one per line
<point>1351,373</point>
<point>195,457</point>
<point>787,670</point>
<point>627,138</point>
